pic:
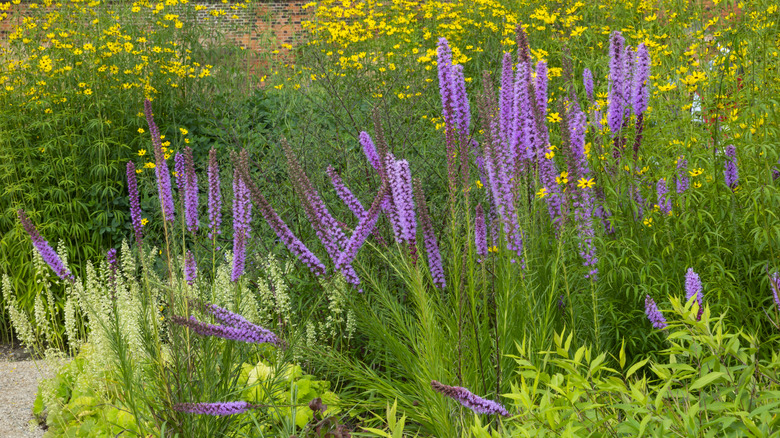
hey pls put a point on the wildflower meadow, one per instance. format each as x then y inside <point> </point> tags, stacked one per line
<point>431,219</point>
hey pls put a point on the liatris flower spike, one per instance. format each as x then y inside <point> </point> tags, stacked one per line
<point>469,400</point>
<point>730,171</point>
<point>217,409</point>
<point>161,166</point>
<point>44,249</point>
<point>135,203</point>
<point>653,314</point>
<point>774,280</point>
<point>693,288</point>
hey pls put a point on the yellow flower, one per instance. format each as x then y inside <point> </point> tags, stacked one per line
<point>141,152</point>
<point>697,184</point>
<point>149,165</point>
<point>183,131</point>
<point>144,221</point>
<point>138,170</point>
<point>479,184</point>
<point>493,249</point>
<point>563,179</point>
<point>87,91</point>
<point>549,155</point>
<point>648,222</point>
<point>542,193</point>
<point>140,130</point>
<point>585,183</point>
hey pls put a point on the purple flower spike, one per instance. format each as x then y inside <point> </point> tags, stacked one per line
<point>161,166</point>
<point>135,202</point>
<point>664,203</point>
<point>480,234</point>
<point>190,191</point>
<point>401,189</point>
<point>215,195</point>
<point>617,99</point>
<point>693,288</point>
<point>345,193</point>
<point>242,216</point>
<point>249,335</point>
<point>462,108</point>
<point>730,169</point>
<point>363,229</point>
<point>541,87</point>
<point>469,400</point>
<point>370,150</point>
<point>216,409</point>
<point>640,92</point>
<point>506,100</point>
<point>44,249</point>
<point>190,268</point>
<point>653,314</point>
<point>683,182</point>
<point>431,246</point>
<point>587,80</point>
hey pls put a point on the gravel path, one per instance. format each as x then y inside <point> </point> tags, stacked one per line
<point>19,377</point>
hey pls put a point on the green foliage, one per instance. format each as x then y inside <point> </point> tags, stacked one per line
<point>708,381</point>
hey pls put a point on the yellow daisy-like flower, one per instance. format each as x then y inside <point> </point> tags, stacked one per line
<point>87,91</point>
<point>479,184</point>
<point>150,165</point>
<point>648,222</point>
<point>141,130</point>
<point>138,170</point>
<point>183,131</point>
<point>141,152</point>
<point>542,193</point>
<point>585,183</point>
<point>493,248</point>
<point>144,221</point>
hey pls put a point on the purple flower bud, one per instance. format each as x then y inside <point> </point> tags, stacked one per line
<point>653,314</point>
<point>250,335</point>
<point>178,169</point>
<point>401,188</point>
<point>242,216</point>
<point>431,246</point>
<point>44,249</point>
<point>216,409</point>
<point>469,400</point>
<point>135,203</point>
<point>617,99</point>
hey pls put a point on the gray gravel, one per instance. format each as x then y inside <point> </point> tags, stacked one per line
<point>19,377</point>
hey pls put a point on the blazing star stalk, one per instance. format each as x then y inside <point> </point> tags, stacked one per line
<point>587,80</point>
<point>215,409</point>
<point>506,100</point>
<point>190,191</point>
<point>276,223</point>
<point>242,216</point>
<point>664,203</point>
<point>44,249</point>
<point>469,400</point>
<point>161,166</point>
<point>251,336</point>
<point>730,171</point>
<point>431,246</point>
<point>616,82</point>
<point>190,268</point>
<point>682,180</point>
<point>135,203</point>
<point>461,100</point>
<point>370,150</point>
<point>345,194</point>
<point>215,195</point>
<point>583,197</point>
<point>653,314</point>
<point>400,178</point>
<point>693,288</point>
<point>363,229</point>
<point>640,88</point>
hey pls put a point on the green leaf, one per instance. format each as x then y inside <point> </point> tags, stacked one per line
<point>706,380</point>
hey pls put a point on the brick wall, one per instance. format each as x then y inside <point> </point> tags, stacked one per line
<point>264,26</point>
